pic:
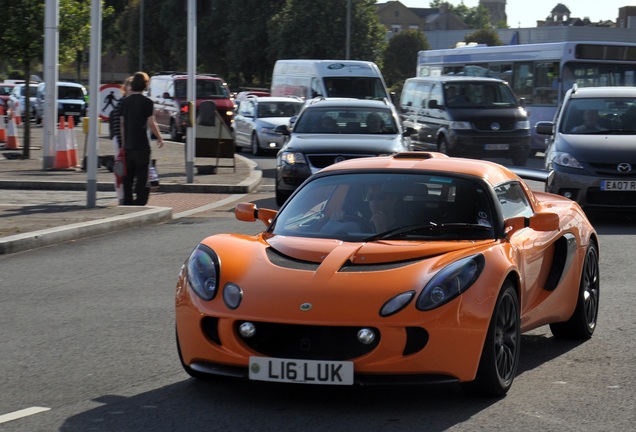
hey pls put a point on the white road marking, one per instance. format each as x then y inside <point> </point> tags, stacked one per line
<point>21,413</point>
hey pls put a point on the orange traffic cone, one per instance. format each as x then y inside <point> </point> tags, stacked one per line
<point>17,117</point>
<point>61,151</point>
<point>71,142</point>
<point>12,135</point>
<point>3,132</point>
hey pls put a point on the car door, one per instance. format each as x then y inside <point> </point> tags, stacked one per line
<point>243,122</point>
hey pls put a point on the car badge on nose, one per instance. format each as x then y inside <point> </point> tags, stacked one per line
<point>495,126</point>
<point>623,167</point>
<point>338,159</point>
<point>305,307</point>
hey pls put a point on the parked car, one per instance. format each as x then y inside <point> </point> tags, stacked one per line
<point>16,100</point>
<point>168,91</point>
<point>71,101</point>
<point>256,119</point>
<point>330,130</point>
<point>591,150</point>
<point>466,116</point>
<point>469,258</point>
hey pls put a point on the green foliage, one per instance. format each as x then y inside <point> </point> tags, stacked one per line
<point>484,36</point>
<point>476,17</point>
<point>400,57</point>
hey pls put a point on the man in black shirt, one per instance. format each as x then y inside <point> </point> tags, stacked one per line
<point>136,116</point>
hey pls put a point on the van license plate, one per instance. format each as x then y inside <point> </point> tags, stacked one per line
<point>73,113</point>
<point>301,371</point>
<point>618,185</point>
<point>496,146</point>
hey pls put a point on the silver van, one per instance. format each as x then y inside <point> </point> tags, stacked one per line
<point>466,116</point>
<point>71,101</point>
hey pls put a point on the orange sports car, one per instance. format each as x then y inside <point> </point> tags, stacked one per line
<point>410,268</point>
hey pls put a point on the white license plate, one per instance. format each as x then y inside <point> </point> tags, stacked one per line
<point>73,113</point>
<point>496,146</point>
<point>301,371</point>
<point>618,185</point>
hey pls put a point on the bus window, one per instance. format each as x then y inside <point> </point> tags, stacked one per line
<point>546,83</point>
<point>522,81</point>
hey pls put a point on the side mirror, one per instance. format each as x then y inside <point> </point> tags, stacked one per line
<point>166,95</point>
<point>282,129</point>
<point>248,212</point>
<point>433,104</point>
<point>542,221</point>
<point>544,128</point>
<point>409,131</point>
<point>522,102</point>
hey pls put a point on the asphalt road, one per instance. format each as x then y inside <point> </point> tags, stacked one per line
<point>87,331</point>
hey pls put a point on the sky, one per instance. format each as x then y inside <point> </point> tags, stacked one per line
<point>525,13</point>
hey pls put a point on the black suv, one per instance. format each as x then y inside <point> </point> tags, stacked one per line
<point>168,91</point>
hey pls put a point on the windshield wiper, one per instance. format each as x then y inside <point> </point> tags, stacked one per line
<point>396,233</point>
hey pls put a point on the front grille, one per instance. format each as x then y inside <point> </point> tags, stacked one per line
<point>307,342</point>
<point>595,196</point>
<point>486,124</point>
<point>324,160</point>
<point>610,169</point>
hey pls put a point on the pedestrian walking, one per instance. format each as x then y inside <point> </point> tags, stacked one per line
<point>136,117</point>
<point>115,136</point>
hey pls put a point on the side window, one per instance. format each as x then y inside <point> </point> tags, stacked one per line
<point>513,200</point>
<point>436,94</point>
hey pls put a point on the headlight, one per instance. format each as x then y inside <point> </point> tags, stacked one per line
<point>203,272</point>
<point>293,158</point>
<point>522,124</point>
<point>566,160</point>
<point>268,130</point>
<point>450,282</point>
<point>460,125</point>
<point>397,303</point>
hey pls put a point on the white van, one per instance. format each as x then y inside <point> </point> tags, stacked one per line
<point>328,78</point>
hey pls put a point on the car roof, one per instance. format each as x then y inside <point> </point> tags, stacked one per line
<point>184,75</point>
<point>348,102</point>
<point>603,92</point>
<point>275,99</point>
<point>456,78</point>
<point>491,172</point>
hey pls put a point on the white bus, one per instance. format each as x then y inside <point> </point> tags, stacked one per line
<point>328,78</point>
<point>539,73</point>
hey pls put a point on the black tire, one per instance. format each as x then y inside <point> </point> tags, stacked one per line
<point>582,323</point>
<point>520,158</point>
<point>281,197</point>
<point>442,146</point>
<point>174,133</point>
<point>255,146</point>
<point>500,355</point>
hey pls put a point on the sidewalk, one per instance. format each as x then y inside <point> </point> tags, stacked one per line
<point>40,207</point>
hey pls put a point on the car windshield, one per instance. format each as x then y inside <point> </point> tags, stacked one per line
<point>5,90</point>
<point>34,89</point>
<point>355,87</point>
<point>206,89</point>
<point>471,94</point>
<point>278,109</point>
<point>599,116</point>
<point>388,206</point>
<point>346,121</point>
<point>64,92</point>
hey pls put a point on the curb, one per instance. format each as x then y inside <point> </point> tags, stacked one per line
<point>36,239</point>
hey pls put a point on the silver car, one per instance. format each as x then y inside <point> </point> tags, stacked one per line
<point>256,119</point>
<point>592,147</point>
<point>330,130</point>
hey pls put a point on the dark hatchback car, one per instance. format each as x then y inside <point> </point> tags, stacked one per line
<point>466,116</point>
<point>330,130</point>
<point>592,147</point>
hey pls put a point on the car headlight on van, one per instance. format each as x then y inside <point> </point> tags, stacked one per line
<point>463,125</point>
<point>293,158</point>
<point>522,124</point>
<point>566,160</point>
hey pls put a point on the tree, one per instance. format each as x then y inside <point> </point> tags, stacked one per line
<point>476,17</point>
<point>484,36</point>
<point>400,57</point>
<point>317,30</point>
<point>21,38</point>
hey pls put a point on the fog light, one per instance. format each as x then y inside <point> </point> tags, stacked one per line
<point>247,330</point>
<point>366,336</point>
<point>568,194</point>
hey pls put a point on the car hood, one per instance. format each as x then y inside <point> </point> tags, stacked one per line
<point>598,148</point>
<point>272,122</point>
<point>338,143</point>
<point>72,101</point>
<point>332,252</point>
